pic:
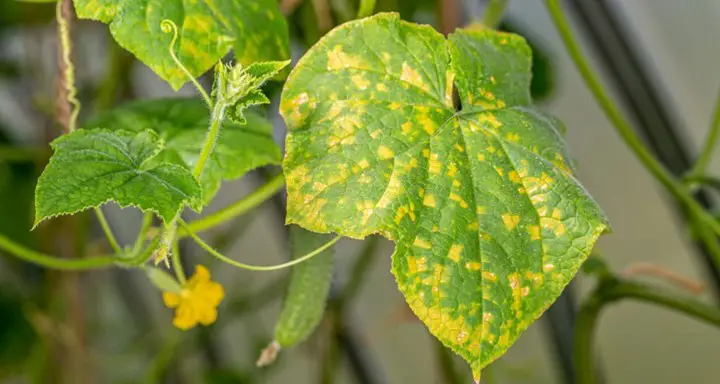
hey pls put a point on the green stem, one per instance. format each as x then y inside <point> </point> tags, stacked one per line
<point>232,262</point>
<point>177,264</point>
<point>710,142</point>
<point>694,180</point>
<point>141,258</point>
<point>54,262</point>
<point>494,12</point>
<point>367,7</point>
<point>142,234</point>
<point>621,125</point>
<point>612,290</point>
<point>216,119</point>
<point>108,232</point>
<point>238,208</point>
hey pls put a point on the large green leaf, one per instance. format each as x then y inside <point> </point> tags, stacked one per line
<point>183,124</point>
<point>208,29</point>
<point>488,220</point>
<point>92,167</point>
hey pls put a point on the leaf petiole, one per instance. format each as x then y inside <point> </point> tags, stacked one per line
<point>232,262</point>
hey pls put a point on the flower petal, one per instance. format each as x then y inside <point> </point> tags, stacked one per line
<point>207,316</point>
<point>185,317</point>
<point>171,299</point>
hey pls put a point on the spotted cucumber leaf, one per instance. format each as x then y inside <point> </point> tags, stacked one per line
<point>207,30</point>
<point>91,167</point>
<point>488,220</point>
<point>183,124</point>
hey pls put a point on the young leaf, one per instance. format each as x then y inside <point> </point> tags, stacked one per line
<point>238,87</point>
<point>92,167</point>
<point>488,220</point>
<point>207,31</point>
<point>183,123</point>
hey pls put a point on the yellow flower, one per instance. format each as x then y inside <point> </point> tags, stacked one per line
<point>197,302</point>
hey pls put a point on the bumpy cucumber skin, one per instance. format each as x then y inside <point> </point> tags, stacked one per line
<point>308,290</point>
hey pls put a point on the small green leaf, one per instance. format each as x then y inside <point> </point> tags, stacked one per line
<point>489,222</point>
<point>92,167</point>
<point>183,124</point>
<point>238,87</point>
<point>207,31</point>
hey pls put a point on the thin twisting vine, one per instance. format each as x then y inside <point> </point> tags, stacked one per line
<point>168,26</point>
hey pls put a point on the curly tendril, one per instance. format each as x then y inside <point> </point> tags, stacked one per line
<point>168,26</point>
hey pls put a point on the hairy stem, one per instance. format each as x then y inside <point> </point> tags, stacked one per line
<point>494,12</point>
<point>710,142</point>
<point>236,209</point>
<point>53,262</point>
<point>612,290</point>
<point>216,119</point>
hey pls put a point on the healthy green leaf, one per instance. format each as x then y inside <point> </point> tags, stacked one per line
<point>489,223</point>
<point>92,167</point>
<point>183,123</point>
<point>207,31</point>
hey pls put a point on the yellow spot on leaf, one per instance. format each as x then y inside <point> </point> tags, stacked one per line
<point>510,221</point>
<point>473,266</point>
<point>452,169</point>
<point>360,82</point>
<point>514,177</point>
<point>381,87</point>
<point>374,134</point>
<point>455,252</point>
<point>422,243</point>
<point>406,127</point>
<point>458,199</point>
<point>416,264</point>
<point>337,59</point>
<point>429,200</point>
<point>385,152</point>
<point>548,268</point>
<point>435,166</point>
<point>411,76</point>
<point>534,232</point>
<point>488,276</point>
